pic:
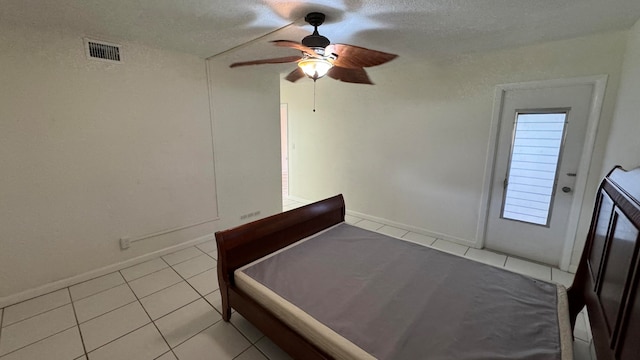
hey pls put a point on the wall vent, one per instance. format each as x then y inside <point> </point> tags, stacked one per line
<point>100,50</point>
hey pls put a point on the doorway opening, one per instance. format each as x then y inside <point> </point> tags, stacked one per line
<point>284,149</point>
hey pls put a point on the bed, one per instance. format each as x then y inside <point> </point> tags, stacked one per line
<point>533,319</point>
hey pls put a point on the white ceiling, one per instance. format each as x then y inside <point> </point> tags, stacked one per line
<point>410,28</point>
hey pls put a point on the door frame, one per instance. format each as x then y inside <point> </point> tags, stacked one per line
<point>285,130</point>
<point>599,83</point>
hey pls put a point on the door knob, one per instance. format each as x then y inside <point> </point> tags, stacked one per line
<point>566,189</point>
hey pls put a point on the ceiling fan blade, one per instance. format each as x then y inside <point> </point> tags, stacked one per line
<point>353,57</point>
<point>267,61</point>
<point>295,75</point>
<point>350,75</point>
<point>297,46</point>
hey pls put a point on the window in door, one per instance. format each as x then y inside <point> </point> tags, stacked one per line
<point>533,165</point>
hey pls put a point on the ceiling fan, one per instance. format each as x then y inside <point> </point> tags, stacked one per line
<point>319,57</point>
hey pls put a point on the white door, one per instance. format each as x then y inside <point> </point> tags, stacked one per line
<point>541,137</point>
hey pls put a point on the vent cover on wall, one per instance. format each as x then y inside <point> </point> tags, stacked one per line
<point>100,50</point>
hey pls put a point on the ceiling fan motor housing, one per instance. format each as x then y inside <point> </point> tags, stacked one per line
<point>315,40</point>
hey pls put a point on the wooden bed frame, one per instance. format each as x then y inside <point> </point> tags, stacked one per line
<point>606,280</point>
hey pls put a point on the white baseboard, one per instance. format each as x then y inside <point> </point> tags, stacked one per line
<point>61,284</point>
<point>414,229</point>
<point>300,200</point>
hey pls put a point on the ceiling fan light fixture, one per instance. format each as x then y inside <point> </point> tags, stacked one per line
<point>315,68</point>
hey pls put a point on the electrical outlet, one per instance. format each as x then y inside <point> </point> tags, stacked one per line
<point>125,242</point>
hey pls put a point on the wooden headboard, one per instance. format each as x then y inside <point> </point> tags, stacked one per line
<point>608,274</point>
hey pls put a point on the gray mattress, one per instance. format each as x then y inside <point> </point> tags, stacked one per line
<point>399,300</point>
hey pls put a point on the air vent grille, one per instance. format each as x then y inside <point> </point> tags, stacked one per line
<point>102,51</point>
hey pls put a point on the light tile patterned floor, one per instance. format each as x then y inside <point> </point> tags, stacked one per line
<point>166,308</point>
<point>169,309</point>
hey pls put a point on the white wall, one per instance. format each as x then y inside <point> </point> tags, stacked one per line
<point>92,151</point>
<point>623,147</point>
<point>246,118</point>
<point>412,148</point>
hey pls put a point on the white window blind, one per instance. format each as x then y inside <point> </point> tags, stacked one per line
<point>535,152</point>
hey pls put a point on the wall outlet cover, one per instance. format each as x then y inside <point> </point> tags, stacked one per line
<point>125,243</point>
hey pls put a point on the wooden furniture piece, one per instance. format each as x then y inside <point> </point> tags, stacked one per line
<point>607,276</point>
<point>606,280</point>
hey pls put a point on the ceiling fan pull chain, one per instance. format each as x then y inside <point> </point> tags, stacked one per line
<point>314,95</point>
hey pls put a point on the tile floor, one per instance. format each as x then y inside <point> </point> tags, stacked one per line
<point>169,308</point>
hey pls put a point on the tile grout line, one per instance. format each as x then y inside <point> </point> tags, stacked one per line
<point>112,310</point>
<point>194,335</point>
<point>214,308</point>
<point>194,289</point>
<point>152,272</point>
<point>96,293</point>
<point>165,353</point>
<point>2,311</point>
<point>107,312</point>
<point>241,333</point>
<point>119,337</point>
<point>38,314</point>
<point>33,298</point>
<point>200,297</point>
<point>187,304</point>
<point>84,348</point>
<point>193,258</point>
<point>249,348</point>
<point>243,351</point>
<point>204,271</point>
<point>40,340</point>
<point>153,321</point>
<point>157,291</point>
<point>166,287</point>
<point>85,281</point>
<point>260,350</point>
<point>200,273</point>
<point>198,245</point>
<point>185,260</point>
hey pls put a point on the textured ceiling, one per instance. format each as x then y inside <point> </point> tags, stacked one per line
<point>410,28</point>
